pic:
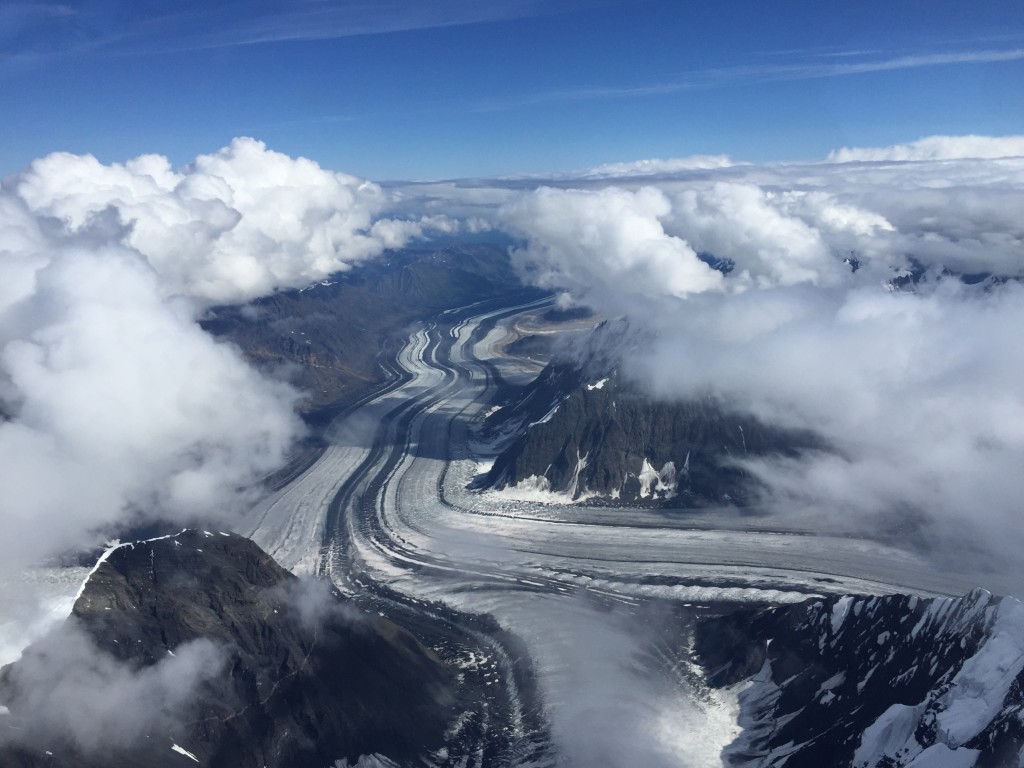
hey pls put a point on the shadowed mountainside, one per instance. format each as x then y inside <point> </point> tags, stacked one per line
<point>301,677</point>
<point>582,430</point>
<point>874,682</point>
<point>329,338</point>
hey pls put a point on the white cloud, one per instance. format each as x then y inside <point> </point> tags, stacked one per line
<point>935,148</point>
<point>69,691</point>
<point>804,65</point>
<point>655,166</point>
<point>644,243</point>
<point>611,240</point>
<point>745,223</point>
<point>120,402</point>
<point>233,225</point>
<point>117,403</point>
<point>786,222</point>
<point>917,392</point>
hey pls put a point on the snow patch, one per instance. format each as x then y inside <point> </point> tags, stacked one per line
<point>941,756</point>
<point>833,682</point>
<point>574,489</point>
<point>114,546</point>
<point>979,689</point>
<point>184,752</point>
<point>654,482</point>
<point>757,703</point>
<point>840,611</point>
<point>891,735</point>
<point>537,488</point>
<point>547,416</point>
<point>597,385</point>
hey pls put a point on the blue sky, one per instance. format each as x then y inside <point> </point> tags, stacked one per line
<point>406,89</point>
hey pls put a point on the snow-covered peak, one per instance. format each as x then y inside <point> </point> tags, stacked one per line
<point>868,681</point>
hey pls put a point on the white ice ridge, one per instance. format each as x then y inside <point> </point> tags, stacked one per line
<point>980,687</point>
<point>113,548</point>
<point>974,698</point>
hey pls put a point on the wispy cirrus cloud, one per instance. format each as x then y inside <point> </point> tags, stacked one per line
<point>825,65</point>
<point>32,32</point>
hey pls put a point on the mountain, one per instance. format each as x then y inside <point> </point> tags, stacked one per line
<point>330,336</point>
<point>234,661</point>
<point>581,430</point>
<point>886,682</point>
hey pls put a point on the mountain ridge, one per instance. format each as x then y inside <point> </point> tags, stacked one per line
<point>874,682</point>
<point>292,674</point>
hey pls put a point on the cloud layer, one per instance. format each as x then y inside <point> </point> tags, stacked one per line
<point>813,323</point>
<point>936,148</point>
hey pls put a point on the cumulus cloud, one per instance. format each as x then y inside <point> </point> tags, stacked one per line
<point>609,239</point>
<point>115,403</point>
<point>949,209</point>
<point>67,691</point>
<point>747,223</point>
<point>120,402</point>
<point>917,390</point>
<point>231,226</point>
<point>786,224</point>
<point>648,244</point>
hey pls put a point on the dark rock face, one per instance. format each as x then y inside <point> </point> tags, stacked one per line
<point>584,431</point>
<point>303,678</point>
<point>874,681</point>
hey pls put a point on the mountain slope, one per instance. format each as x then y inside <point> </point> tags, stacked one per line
<point>891,682</point>
<point>281,672</point>
<point>582,431</point>
<point>329,336</point>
